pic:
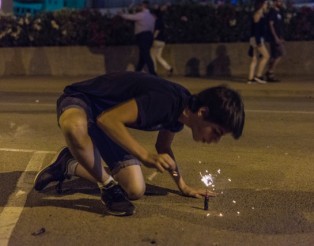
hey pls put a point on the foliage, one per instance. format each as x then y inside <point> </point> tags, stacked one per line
<point>191,23</point>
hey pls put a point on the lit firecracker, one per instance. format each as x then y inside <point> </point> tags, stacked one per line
<point>206,200</point>
<point>207,179</point>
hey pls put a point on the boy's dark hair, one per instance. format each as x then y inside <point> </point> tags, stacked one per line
<point>225,108</point>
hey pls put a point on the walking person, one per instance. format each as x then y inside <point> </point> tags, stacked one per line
<point>144,28</point>
<point>276,39</point>
<point>258,50</point>
<point>94,117</point>
<point>159,41</point>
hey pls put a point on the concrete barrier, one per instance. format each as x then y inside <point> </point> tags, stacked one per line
<point>55,61</point>
<point>226,59</point>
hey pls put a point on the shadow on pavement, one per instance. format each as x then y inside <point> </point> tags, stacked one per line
<point>240,210</point>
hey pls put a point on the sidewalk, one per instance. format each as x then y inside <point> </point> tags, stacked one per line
<point>297,87</point>
<point>290,86</point>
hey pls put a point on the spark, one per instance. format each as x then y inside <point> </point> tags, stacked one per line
<point>238,213</point>
<point>207,179</point>
<point>221,215</point>
<point>208,214</point>
<point>218,171</point>
<point>200,162</point>
<point>234,201</point>
<point>253,208</point>
<point>229,179</point>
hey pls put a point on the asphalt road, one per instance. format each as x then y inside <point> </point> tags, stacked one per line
<point>266,182</point>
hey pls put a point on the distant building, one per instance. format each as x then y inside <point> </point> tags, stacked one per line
<point>21,7</point>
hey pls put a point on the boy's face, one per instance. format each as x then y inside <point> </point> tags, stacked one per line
<point>204,131</point>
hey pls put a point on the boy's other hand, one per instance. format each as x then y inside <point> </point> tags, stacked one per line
<point>196,192</point>
<point>161,162</point>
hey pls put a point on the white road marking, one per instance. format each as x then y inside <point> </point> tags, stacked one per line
<point>279,111</point>
<point>16,202</point>
<point>27,151</point>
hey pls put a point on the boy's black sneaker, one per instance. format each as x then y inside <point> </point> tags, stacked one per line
<point>116,200</point>
<point>55,172</point>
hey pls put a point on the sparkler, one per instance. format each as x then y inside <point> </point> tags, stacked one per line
<point>208,180</point>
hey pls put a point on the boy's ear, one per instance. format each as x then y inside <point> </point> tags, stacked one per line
<point>203,112</point>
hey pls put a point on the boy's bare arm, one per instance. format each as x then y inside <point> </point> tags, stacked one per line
<point>114,121</point>
<point>163,145</point>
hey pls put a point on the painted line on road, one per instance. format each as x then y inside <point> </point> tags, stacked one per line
<point>248,110</point>
<point>16,202</point>
<point>279,111</point>
<point>27,150</point>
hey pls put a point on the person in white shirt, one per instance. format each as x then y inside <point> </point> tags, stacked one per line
<point>144,28</point>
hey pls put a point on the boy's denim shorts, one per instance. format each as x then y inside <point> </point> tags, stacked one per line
<point>114,156</point>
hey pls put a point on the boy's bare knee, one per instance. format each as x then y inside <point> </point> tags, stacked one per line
<point>136,193</point>
<point>75,132</point>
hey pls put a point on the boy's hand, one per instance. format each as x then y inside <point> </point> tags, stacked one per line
<point>197,193</point>
<point>161,162</point>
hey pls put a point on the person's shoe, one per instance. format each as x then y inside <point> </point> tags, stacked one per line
<point>55,172</point>
<point>260,80</point>
<point>270,77</point>
<point>273,80</point>
<point>116,200</point>
<point>251,81</point>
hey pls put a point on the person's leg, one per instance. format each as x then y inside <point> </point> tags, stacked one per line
<point>263,60</point>
<point>141,58</point>
<point>153,54</point>
<point>277,51</point>
<point>159,57</point>
<point>273,62</point>
<point>73,124</point>
<point>253,66</point>
<point>131,180</point>
<point>272,59</point>
<point>147,42</point>
<point>81,172</point>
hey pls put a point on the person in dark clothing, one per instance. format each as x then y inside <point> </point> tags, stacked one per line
<point>94,117</point>
<point>144,28</point>
<point>276,39</point>
<point>258,50</point>
<point>160,40</point>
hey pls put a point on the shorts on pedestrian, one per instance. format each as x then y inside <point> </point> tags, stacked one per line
<point>114,156</point>
<point>277,50</point>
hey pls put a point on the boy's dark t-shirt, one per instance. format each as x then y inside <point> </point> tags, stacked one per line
<point>160,102</point>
